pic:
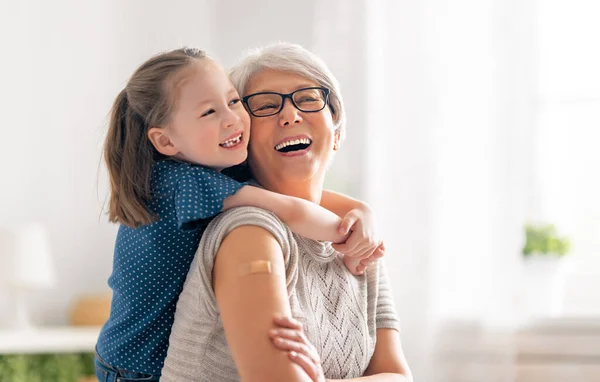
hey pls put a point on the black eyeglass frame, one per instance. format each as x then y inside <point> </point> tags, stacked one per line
<point>325,90</point>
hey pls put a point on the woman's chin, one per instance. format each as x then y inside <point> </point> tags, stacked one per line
<point>299,172</point>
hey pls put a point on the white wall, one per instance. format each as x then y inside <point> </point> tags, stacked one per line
<point>63,62</point>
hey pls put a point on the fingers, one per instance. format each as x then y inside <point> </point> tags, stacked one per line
<point>360,269</point>
<point>358,265</point>
<point>357,245</point>
<point>354,265</point>
<point>288,334</point>
<point>349,246</point>
<point>289,337</point>
<point>290,345</point>
<point>347,222</point>
<point>288,322</point>
<point>378,253</point>
<point>311,368</point>
<point>364,249</point>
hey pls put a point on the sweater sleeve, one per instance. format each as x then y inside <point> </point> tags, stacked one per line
<point>386,315</point>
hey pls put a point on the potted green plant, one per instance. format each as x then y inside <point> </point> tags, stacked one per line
<point>542,240</point>
<point>545,270</point>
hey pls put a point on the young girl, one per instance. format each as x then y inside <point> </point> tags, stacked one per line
<point>177,124</point>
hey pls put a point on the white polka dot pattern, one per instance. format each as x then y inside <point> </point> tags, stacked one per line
<point>151,264</point>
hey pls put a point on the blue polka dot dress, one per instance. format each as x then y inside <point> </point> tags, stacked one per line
<point>151,264</point>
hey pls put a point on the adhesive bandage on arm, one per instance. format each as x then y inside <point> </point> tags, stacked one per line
<point>257,267</point>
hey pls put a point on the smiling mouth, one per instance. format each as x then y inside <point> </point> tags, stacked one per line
<point>293,145</point>
<point>232,141</point>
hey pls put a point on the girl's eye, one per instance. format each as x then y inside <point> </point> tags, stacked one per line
<point>208,112</point>
<point>234,101</point>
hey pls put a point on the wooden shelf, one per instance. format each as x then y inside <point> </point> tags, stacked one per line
<point>44,340</point>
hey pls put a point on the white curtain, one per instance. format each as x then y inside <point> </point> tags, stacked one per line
<point>568,131</point>
<point>446,90</point>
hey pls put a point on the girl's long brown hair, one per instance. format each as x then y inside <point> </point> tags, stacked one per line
<point>146,101</point>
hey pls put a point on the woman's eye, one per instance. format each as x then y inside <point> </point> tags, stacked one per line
<point>208,112</point>
<point>308,99</point>
<point>266,106</point>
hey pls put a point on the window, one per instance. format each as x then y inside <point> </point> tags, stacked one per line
<point>568,135</point>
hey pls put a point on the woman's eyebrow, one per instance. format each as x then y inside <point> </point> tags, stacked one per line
<point>302,86</point>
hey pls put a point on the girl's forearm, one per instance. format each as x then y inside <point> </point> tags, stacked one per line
<point>303,217</point>
<point>313,221</point>
<point>340,204</point>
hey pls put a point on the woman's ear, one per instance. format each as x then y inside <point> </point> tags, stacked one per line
<point>336,141</point>
<point>161,141</point>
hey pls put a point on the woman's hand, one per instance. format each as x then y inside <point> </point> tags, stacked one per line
<point>363,247</point>
<point>289,336</point>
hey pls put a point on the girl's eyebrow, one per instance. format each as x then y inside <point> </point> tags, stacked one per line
<point>202,103</point>
<point>208,100</point>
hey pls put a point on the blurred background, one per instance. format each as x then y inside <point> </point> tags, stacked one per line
<point>467,120</point>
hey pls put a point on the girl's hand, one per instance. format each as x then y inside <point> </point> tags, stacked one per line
<point>363,247</point>
<point>289,336</point>
<point>363,240</point>
<point>358,265</point>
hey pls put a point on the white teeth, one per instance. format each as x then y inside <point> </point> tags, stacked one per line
<point>232,141</point>
<point>305,141</point>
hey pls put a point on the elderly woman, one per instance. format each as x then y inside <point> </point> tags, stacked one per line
<point>251,274</point>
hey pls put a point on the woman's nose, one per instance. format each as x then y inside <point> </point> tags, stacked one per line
<point>289,114</point>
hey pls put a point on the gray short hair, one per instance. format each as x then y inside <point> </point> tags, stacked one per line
<point>292,58</point>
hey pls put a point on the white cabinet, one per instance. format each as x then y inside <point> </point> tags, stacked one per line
<point>74,339</point>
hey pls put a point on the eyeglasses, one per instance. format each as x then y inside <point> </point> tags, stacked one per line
<point>266,104</point>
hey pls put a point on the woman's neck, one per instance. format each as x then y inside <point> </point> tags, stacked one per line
<point>310,190</point>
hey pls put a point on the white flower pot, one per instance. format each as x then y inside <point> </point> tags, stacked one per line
<point>543,281</point>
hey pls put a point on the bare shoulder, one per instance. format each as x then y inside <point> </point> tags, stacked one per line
<point>249,297</point>
<point>250,242</point>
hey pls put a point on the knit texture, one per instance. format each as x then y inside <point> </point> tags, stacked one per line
<point>340,312</point>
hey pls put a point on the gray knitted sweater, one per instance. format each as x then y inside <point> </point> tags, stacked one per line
<point>340,312</point>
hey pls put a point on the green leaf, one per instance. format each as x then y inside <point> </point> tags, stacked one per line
<point>46,367</point>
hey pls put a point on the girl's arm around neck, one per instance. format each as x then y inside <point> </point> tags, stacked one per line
<point>303,217</point>
<point>341,204</point>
